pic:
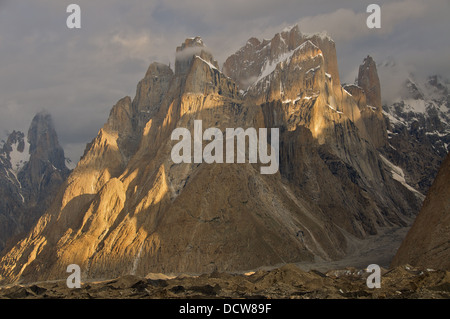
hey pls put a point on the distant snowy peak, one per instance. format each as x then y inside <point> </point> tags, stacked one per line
<point>420,101</point>
<point>32,169</point>
<point>15,151</point>
<point>433,88</point>
<point>424,110</point>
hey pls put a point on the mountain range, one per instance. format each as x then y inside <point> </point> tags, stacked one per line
<point>349,168</point>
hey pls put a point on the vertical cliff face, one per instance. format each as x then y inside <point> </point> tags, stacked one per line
<point>47,161</point>
<point>32,168</point>
<point>427,242</point>
<point>128,208</point>
<point>367,95</point>
<point>368,80</point>
<point>297,91</point>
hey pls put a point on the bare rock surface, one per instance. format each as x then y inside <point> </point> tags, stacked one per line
<point>128,209</point>
<point>286,282</point>
<point>427,242</point>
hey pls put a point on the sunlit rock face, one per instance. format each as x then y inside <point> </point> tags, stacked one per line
<point>128,208</point>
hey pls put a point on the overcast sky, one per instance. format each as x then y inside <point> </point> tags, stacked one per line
<point>78,75</point>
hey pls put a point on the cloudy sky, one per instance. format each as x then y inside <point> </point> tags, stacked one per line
<point>78,75</point>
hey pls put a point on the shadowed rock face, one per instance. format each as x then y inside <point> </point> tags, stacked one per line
<point>427,242</point>
<point>368,80</point>
<point>45,153</point>
<point>418,124</point>
<point>367,94</point>
<point>31,170</point>
<point>43,140</point>
<point>129,209</point>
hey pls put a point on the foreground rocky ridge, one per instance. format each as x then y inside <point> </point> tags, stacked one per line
<point>128,209</point>
<point>287,282</point>
<point>428,241</point>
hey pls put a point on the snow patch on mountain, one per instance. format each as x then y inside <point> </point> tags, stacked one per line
<point>398,175</point>
<point>207,62</point>
<point>322,35</point>
<point>19,158</point>
<point>426,103</point>
<point>339,112</point>
<point>270,66</point>
<point>284,59</point>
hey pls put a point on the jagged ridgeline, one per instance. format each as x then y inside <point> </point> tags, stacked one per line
<point>128,208</point>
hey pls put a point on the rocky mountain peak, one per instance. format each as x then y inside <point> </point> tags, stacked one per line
<point>253,41</point>
<point>367,95</point>
<point>31,170</point>
<point>285,41</point>
<point>43,140</point>
<point>250,63</point>
<point>128,208</point>
<point>185,53</point>
<point>190,43</point>
<point>157,69</point>
<point>368,80</point>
